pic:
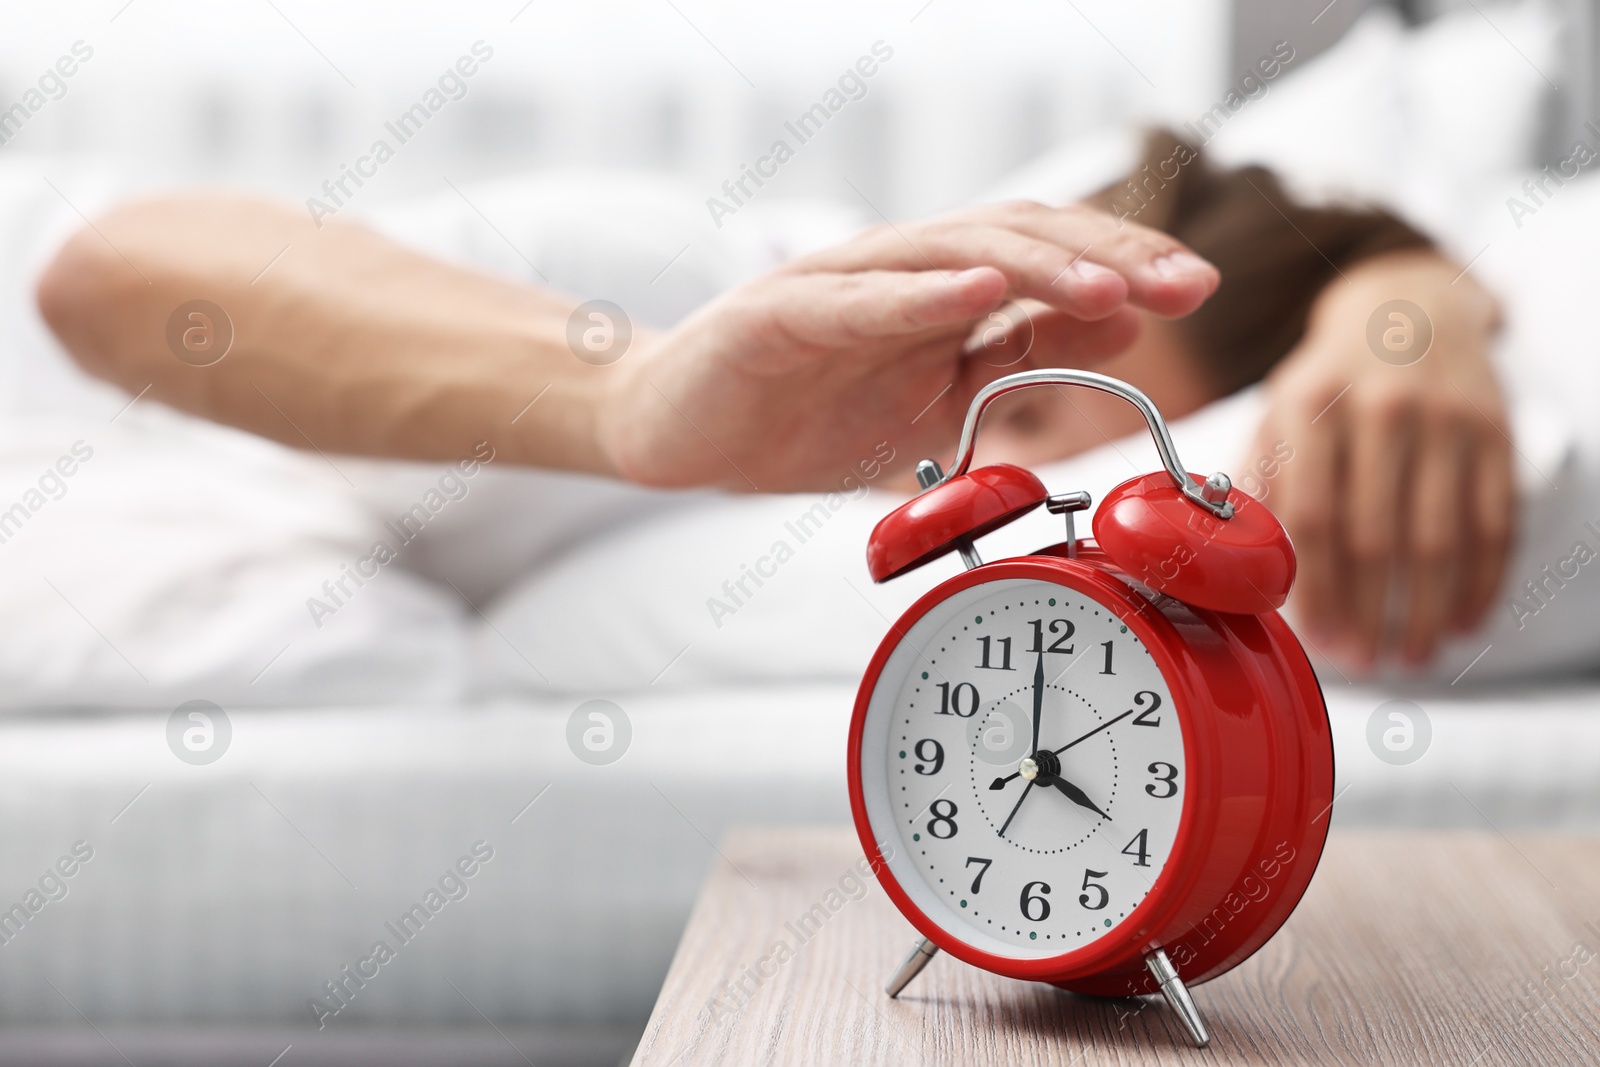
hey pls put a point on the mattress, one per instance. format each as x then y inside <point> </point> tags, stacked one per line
<point>235,891</point>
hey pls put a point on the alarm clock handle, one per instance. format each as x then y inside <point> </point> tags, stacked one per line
<point>1211,494</point>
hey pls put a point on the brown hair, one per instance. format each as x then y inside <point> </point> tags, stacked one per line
<point>1275,255</point>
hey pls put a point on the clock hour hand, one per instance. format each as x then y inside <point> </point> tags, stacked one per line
<point>1076,795</point>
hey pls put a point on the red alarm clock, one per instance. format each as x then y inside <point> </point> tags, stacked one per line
<point>1106,765</point>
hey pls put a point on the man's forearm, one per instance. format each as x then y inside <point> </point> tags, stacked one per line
<point>1455,302</point>
<point>348,343</point>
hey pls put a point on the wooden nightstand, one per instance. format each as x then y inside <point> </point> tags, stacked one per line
<point>1408,948</point>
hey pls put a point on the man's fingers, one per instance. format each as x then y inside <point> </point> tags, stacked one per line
<point>1074,258</point>
<point>1162,274</point>
<point>838,310</point>
<point>1379,452</point>
<point>1490,512</point>
<point>1037,268</point>
<point>1435,537</point>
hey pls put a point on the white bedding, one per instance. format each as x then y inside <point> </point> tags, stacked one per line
<point>182,561</point>
<point>186,561</point>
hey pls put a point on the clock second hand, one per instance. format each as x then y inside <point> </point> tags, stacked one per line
<point>1000,783</point>
<point>1016,808</point>
<point>1038,706</point>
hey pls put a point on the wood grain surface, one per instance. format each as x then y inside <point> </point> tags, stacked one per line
<point>1408,948</point>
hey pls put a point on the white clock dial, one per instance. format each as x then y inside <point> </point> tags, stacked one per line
<point>1018,850</point>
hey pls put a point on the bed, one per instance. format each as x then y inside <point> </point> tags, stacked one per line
<point>424,726</point>
<point>231,894</point>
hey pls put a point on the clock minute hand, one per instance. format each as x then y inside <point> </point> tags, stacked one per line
<point>1000,783</point>
<point>1038,700</point>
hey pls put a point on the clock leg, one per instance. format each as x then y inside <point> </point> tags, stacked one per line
<point>1177,995</point>
<point>924,951</point>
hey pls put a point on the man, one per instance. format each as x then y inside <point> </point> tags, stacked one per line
<point>366,347</point>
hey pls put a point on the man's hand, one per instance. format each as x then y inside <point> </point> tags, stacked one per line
<point>1393,472</point>
<point>789,382</point>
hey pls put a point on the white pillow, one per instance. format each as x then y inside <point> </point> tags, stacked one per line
<point>1541,263</point>
<point>1333,126</point>
<point>1330,124</point>
<point>1422,121</point>
<point>1418,121</point>
<point>1475,89</point>
<point>657,602</point>
<point>647,604</point>
<point>177,561</point>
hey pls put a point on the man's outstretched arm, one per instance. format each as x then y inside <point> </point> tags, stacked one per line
<point>354,344</point>
<point>350,341</point>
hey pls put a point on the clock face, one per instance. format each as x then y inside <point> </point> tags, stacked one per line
<point>1018,848</point>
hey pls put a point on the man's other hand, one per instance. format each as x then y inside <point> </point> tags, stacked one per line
<point>1398,495</point>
